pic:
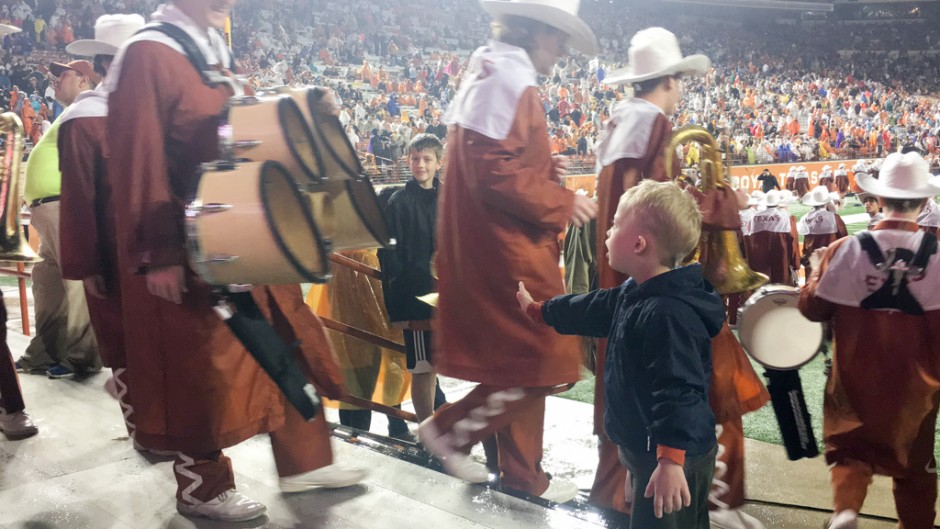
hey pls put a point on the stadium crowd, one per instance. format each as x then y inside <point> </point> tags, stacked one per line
<point>820,90</point>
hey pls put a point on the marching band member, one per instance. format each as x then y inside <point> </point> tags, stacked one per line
<point>773,244</point>
<point>827,178</point>
<point>87,228</point>
<point>801,181</point>
<point>884,320</point>
<point>819,227</point>
<point>193,387</point>
<point>842,179</point>
<point>633,150</point>
<point>929,217</point>
<point>636,137</point>
<point>872,207</point>
<point>501,193</point>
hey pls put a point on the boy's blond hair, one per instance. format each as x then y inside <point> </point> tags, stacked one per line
<point>668,214</point>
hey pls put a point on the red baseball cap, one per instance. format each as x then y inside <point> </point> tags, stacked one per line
<point>83,67</point>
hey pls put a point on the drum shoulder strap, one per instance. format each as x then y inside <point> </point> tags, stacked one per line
<point>190,48</point>
<point>871,248</point>
<point>928,247</point>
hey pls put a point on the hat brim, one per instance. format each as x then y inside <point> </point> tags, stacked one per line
<point>580,36</point>
<point>90,48</point>
<point>696,64</point>
<point>808,201</point>
<point>870,184</point>
<point>56,68</point>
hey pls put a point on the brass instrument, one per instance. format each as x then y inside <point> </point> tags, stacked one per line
<point>13,245</point>
<point>718,250</point>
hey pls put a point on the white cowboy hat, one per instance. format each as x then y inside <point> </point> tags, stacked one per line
<point>560,14</point>
<point>819,196</point>
<point>841,166</point>
<point>774,199</point>
<point>837,199</point>
<point>654,53</point>
<point>902,176</point>
<point>111,32</point>
<point>757,197</point>
<point>826,168</point>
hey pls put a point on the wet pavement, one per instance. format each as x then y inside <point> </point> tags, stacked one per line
<point>81,472</point>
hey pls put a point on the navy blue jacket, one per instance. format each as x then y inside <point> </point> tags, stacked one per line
<point>411,217</point>
<point>659,364</point>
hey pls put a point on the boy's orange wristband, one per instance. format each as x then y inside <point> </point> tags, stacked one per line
<point>673,454</point>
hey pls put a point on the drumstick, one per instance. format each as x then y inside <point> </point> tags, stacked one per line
<point>381,408</point>
<point>356,266</point>
<point>362,335</point>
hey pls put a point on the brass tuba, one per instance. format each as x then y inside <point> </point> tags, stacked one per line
<point>13,245</point>
<point>719,250</point>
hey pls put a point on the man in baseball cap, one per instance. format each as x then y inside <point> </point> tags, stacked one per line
<point>64,342</point>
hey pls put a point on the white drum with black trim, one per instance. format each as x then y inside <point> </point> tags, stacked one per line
<point>774,332</point>
<point>249,224</point>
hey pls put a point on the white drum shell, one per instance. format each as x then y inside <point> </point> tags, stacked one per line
<point>774,332</point>
<point>230,237</point>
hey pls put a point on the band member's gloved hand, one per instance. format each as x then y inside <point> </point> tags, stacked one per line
<point>167,283</point>
<point>584,210</point>
<point>95,286</point>
<point>560,166</point>
<point>668,488</point>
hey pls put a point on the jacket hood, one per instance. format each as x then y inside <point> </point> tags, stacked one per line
<point>688,285</point>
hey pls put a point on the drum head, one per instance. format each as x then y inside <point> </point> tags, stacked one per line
<point>340,160</point>
<point>291,223</point>
<point>775,333</point>
<point>348,214</point>
<point>300,140</point>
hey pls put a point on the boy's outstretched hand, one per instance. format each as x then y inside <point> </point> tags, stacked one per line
<point>524,298</point>
<point>668,488</point>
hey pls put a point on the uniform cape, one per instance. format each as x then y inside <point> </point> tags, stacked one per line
<point>496,78</point>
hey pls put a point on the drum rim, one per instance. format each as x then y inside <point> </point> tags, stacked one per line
<point>743,316</point>
<point>322,244</point>
<point>383,239</point>
<point>354,173</point>
<point>287,104</point>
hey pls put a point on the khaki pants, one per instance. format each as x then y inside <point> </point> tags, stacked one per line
<point>63,331</point>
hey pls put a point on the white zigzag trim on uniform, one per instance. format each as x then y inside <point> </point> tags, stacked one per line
<point>126,408</point>
<point>719,487</point>
<point>183,470</point>
<point>478,418</point>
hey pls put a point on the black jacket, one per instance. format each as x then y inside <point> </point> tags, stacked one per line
<point>658,366</point>
<point>406,270</point>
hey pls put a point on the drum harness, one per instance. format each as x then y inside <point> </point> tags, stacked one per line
<point>900,264</point>
<point>234,303</point>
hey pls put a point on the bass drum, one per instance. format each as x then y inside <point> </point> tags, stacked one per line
<point>270,128</point>
<point>249,224</point>
<point>775,333</point>
<point>348,215</point>
<point>338,157</point>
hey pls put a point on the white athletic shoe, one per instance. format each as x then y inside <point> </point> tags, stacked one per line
<point>456,463</point>
<point>560,491</point>
<point>230,506</point>
<point>17,425</point>
<point>335,476</point>
<point>733,519</point>
<point>847,519</point>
